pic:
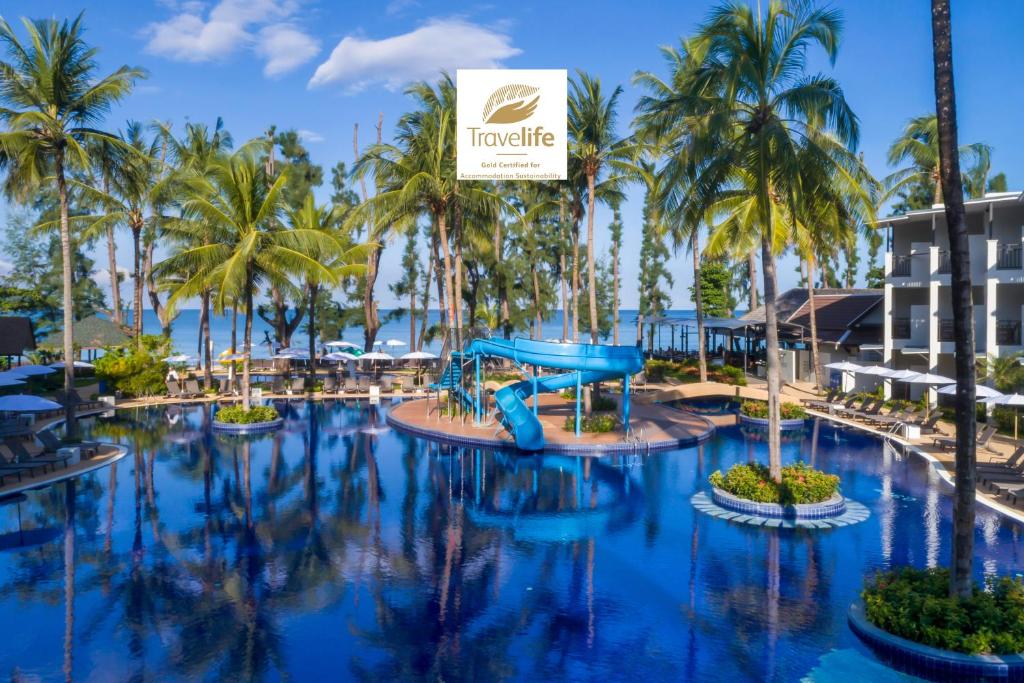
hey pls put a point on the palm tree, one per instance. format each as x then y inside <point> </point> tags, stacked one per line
<point>918,147</point>
<point>236,199</point>
<point>593,148</point>
<point>334,253</point>
<point>759,125</point>
<point>51,98</point>
<point>961,578</point>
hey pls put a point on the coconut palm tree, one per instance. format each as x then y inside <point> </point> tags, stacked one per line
<point>335,253</point>
<point>961,576</point>
<point>918,148</point>
<point>50,100</point>
<point>247,252</point>
<point>594,149</point>
<point>758,130</point>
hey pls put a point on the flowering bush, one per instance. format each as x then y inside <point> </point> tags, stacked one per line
<point>759,409</point>
<point>240,416</point>
<point>800,484</point>
<point>594,423</point>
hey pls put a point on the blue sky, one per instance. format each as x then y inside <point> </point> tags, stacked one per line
<point>319,67</point>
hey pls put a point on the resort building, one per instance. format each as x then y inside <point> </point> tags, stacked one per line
<point>918,309</point>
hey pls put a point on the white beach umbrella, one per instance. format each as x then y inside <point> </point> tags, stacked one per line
<point>927,378</point>
<point>27,403</point>
<point>902,375</point>
<point>376,355</point>
<point>292,354</point>
<point>1015,400</point>
<point>78,364</point>
<point>394,342</point>
<point>342,344</point>
<point>32,370</point>
<point>378,342</point>
<point>845,366</point>
<point>418,355</point>
<point>339,357</point>
<point>876,370</point>
<point>982,392</point>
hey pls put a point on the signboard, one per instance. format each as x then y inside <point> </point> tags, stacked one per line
<point>511,124</point>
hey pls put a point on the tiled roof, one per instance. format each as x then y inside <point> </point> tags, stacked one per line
<point>836,310</point>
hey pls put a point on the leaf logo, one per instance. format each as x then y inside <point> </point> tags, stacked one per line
<point>511,103</point>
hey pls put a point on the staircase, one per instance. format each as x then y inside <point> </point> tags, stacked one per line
<point>451,379</point>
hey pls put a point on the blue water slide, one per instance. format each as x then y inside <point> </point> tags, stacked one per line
<point>587,363</point>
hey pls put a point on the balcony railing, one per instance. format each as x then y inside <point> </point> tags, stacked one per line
<point>901,328</point>
<point>1008,332</point>
<point>1008,257</point>
<point>901,265</point>
<point>944,266</point>
<point>946,330</point>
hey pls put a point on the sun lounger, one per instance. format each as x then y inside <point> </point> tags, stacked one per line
<point>898,417</point>
<point>173,390</point>
<point>869,410</point>
<point>351,386</point>
<point>51,444</point>
<point>1013,463</point>
<point>824,403</point>
<point>23,457</point>
<point>930,425</point>
<point>364,384</point>
<point>948,443</point>
<point>330,385</point>
<point>408,384</point>
<point>192,388</point>
<point>297,386</point>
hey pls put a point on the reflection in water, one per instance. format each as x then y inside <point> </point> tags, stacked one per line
<point>339,549</point>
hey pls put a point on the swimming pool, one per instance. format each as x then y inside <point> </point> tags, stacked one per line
<point>340,549</point>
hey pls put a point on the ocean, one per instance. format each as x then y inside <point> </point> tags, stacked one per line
<point>185,331</point>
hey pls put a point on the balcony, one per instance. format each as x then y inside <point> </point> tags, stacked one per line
<point>1008,332</point>
<point>1008,257</point>
<point>901,265</point>
<point>944,265</point>
<point>946,330</point>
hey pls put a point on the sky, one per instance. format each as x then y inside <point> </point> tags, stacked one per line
<point>320,66</point>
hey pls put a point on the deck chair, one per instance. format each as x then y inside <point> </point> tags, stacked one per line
<point>297,386</point>
<point>1014,463</point>
<point>351,386</point>
<point>330,385</point>
<point>192,388</point>
<point>408,384</point>
<point>51,444</point>
<point>849,408</point>
<point>23,457</point>
<point>833,396</point>
<point>277,385</point>
<point>869,410</point>
<point>948,443</point>
<point>929,426</point>
<point>906,415</point>
<point>364,384</point>
<point>10,467</point>
<point>173,390</point>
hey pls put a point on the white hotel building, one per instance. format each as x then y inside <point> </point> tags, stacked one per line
<point>918,333</point>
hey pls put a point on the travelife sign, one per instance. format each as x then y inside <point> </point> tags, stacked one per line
<point>511,124</point>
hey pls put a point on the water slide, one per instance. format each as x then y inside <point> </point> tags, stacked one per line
<point>585,363</point>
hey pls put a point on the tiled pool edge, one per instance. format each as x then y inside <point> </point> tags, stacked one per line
<point>917,659</point>
<point>249,428</point>
<point>855,513</point>
<point>833,507</point>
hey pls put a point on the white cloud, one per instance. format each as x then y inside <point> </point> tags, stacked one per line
<point>310,136</point>
<point>441,44</point>
<point>399,6</point>
<point>263,26</point>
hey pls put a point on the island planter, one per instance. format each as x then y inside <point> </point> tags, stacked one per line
<point>762,422</point>
<point>930,662</point>
<point>833,507</point>
<point>250,428</point>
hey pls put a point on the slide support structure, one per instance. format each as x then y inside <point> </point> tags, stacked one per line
<point>476,404</point>
<point>625,403</point>
<point>536,398</point>
<point>579,392</point>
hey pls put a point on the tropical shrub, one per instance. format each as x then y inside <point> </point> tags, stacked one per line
<point>688,371</point>
<point>800,484</point>
<point>136,370</point>
<point>593,424</point>
<point>237,415</point>
<point>599,403</point>
<point>915,604</point>
<point>759,409</point>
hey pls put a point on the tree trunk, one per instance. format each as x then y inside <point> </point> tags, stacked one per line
<point>504,313</point>
<point>815,356</point>
<point>311,327</point>
<point>576,280</point>
<point>615,292</point>
<point>442,228</point>
<point>370,312</point>
<point>591,261</point>
<point>442,297</point>
<point>137,282</point>
<point>247,340</point>
<point>204,337</point>
<point>424,321</point>
<point>538,318</point>
<point>412,313</point>
<point>457,292</point>
<point>771,338</point>
<point>698,302</point>
<point>67,269</point>
<point>234,327</point>
<point>161,311</point>
<point>752,275</point>
<point>962,582</point>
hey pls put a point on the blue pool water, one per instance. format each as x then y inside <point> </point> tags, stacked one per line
<point>339,549</point>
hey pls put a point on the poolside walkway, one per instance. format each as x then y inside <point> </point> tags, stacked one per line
<point>654,426</point>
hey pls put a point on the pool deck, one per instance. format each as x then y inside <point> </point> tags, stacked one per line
<point>654,427</point>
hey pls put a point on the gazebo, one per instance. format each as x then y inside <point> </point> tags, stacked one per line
<point>91,334</point>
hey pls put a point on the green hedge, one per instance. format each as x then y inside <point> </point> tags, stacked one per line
<point>800,484</point>
<point>238,415</point>
<point>688,371</point>
<point>759,409</point>
<point>915,604</point>
<point>593,424</point>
